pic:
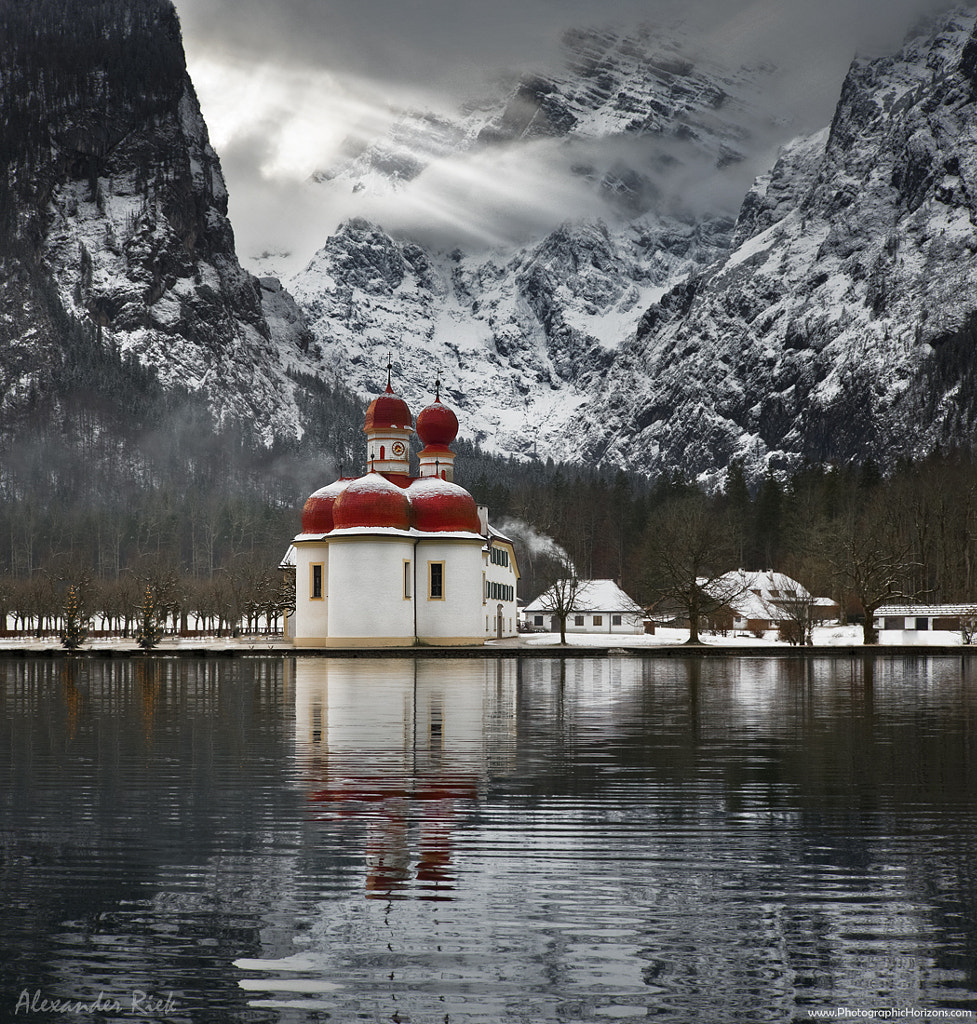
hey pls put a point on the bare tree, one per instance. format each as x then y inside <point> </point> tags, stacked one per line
<point>797,617</point>
<point>687,552</point>
<point>873,562</point>
<point>560,596</point>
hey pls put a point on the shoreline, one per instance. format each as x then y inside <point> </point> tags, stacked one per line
<point>277,649</point>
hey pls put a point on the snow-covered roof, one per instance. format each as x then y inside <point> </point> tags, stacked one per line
<point>926,609</point>
<point>498,534</point>
<point>389,531</point>
<point>592,596</point>
<point>759,594</point>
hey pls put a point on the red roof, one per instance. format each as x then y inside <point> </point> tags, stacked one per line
<point>440,506</point>
<point>372,501</point>
<point>437,424</point>
<point>387,410</point>
<point>317,511</point>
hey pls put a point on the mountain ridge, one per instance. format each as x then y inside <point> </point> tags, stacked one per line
<point>830,320</point>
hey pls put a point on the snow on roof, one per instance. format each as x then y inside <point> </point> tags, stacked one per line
<point>592,596</point>
<point>389,531</point>
<point>759,594</point>
<point>926,609</point>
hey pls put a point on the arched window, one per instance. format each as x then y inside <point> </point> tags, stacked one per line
<point>383,452</point>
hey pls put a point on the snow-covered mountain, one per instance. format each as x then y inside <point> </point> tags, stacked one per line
<point>524,334</point>
<point>115,230</point>
<point>842,322</point>
<point>834,317</point>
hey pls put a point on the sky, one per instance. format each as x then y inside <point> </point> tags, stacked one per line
<point>285,88</point>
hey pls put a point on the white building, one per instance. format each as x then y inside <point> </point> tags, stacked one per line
<point>599,606</point>
<point>759,600</point>
<point>390,559</point>
<point>909,620</point>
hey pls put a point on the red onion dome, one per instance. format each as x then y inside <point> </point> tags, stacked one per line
<point>317,511</point>
<point>442,507</point>
<point>437,425</point>
<point>372,501</point>
<point>388,410</point>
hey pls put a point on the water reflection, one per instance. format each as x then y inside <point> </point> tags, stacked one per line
<point>552,840</point>
<point>406,747</point>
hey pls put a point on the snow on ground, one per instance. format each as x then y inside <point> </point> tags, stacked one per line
<point>824,636</point>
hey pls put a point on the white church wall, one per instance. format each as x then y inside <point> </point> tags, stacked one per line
<point>311,614</point>
<point>366,577</point>
<point>456,616</point>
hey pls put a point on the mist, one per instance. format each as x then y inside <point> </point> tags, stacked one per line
<point>291,91</point>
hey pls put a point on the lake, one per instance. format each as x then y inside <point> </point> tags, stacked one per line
<point>440,840</point>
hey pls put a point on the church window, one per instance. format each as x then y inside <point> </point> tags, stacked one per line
<point>435,576</point>
<point>407,579</point>
<point>315,581</point>
<point>383,451</point>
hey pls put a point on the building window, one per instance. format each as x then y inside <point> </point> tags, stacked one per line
<point>407,577</point>
<point>499,556</point>
<point>615,620</point>
<point>435,577</point>
<point>538,620</point>
<point>598,620</point>
<point>578,620</point>
<point>315,581</point>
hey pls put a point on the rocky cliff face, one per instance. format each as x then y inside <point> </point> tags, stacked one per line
<point>115,230</point>
<point>834,321</point>
<point>523,335</point>
<point>841,324</point>
<point>834,318</point>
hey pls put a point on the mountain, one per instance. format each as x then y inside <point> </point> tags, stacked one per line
<point>829,315</point>
<point>841,324</point>
<point>115,245</point>
<point>833,320</point>
<point>523,334</point>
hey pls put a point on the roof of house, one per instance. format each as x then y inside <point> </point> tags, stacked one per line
<point>592,596</point>
<point>760,594</point>
<point>938,610</point>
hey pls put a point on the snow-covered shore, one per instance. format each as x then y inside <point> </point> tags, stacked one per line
<point>825,639</point>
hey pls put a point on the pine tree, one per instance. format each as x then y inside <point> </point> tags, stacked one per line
<point>75,631</point>
<point>149,633</point>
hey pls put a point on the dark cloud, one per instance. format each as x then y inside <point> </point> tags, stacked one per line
<point>284,86</point>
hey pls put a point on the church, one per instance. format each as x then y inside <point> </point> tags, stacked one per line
<point>389,559</point>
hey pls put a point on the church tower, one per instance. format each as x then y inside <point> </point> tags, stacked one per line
<point>437,427</point>
<point>388,427</point>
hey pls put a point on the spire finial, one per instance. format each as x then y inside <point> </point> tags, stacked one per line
<point>437,387</point>
<point>390,367</point>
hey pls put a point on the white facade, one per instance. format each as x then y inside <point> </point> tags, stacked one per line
<point>599,606</point>
<point>499,586</point>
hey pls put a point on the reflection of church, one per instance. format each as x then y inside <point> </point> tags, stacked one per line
<point>390,559</point>
<point>411,769</point>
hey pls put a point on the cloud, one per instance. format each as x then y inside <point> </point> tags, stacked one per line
<point>294,87</point>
